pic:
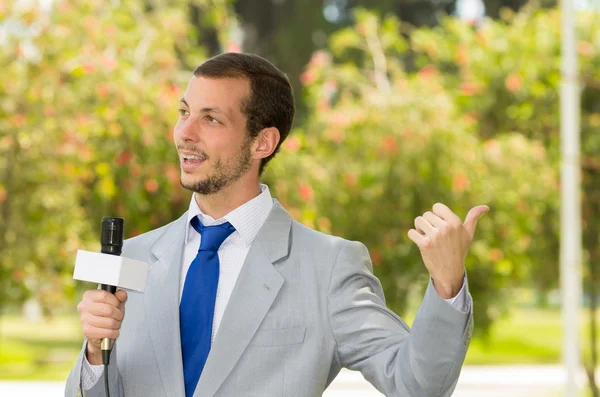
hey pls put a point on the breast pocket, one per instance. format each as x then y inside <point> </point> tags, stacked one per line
<point>278,337</point>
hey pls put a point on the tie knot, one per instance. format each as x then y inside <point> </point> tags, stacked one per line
<point>212,236</point>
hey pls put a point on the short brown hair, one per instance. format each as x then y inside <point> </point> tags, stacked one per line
<point>271,100</point>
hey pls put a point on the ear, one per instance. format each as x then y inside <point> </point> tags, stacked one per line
<point>265,142</point>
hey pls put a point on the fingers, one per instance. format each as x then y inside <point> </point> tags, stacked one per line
<point>99,309</point>
<point>429,226</point>
<point>435,220</point>
<point>95,334</point>
<point>98,295</point>
<point>101,314</point>
<point>417,237</point>
<point>101,322</point>
<point>121,295</point>
<point>422,225</point>
<point>447,215</point>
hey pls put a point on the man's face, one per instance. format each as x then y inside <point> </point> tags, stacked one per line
<point>211,138</point>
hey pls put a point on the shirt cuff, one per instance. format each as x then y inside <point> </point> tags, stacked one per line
<point>90,373</point>
<point>459,302</point>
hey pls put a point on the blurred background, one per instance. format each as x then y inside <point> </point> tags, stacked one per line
<point>401,103</point>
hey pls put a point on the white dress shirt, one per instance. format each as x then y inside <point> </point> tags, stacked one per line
<point>247,220</point>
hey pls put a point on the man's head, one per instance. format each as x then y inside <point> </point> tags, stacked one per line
<point>235,113</point>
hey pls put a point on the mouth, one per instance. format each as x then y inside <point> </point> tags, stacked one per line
<point>190,162</point>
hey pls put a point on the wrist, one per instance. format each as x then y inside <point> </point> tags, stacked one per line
<point>448,289</point>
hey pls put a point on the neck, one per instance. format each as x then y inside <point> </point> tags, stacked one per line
<point>220,204</point>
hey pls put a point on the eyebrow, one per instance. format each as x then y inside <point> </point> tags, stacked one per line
<point>207,109</point>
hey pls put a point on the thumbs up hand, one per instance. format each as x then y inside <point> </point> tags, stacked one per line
<point>444,241</point>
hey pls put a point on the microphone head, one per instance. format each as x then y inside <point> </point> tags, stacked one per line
<point>112,235</point>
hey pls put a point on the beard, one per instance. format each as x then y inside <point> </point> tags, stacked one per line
<point>224,173</point>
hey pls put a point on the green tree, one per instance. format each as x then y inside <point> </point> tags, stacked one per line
<point>509,73</point>
<point>89,100</point>
<point>383,145</point>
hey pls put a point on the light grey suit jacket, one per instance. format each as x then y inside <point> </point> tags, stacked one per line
<point>305,305</point>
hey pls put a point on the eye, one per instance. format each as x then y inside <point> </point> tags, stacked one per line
<point>183,112</point>
<point>212,120</point>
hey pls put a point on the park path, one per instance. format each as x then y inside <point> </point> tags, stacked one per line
<point>475,381</point>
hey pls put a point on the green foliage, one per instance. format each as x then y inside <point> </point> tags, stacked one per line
<point>89,99</point>
<point>507,77</point>
<point>383,145</point>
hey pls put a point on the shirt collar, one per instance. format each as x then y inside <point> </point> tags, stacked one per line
<point>247,219</point>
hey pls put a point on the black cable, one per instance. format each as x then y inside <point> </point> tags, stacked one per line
<point>106,380</point>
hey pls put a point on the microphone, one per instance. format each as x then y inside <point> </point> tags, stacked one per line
<point>110,270</point>
<point>111,240</point>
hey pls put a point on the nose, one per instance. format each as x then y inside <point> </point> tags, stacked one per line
<point>188,130</point>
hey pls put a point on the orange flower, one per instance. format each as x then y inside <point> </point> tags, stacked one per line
<point>513,82</point>
<point>306,192</point>
<point>151,185</point>
<point>460,182</point>
<point>308,77</point>
<point>103,90</point>
<point>89,67</point>
<point>428,72</point>
<point>172,173</point>
<point>585,48</point>
<point>324,224</point>
<point>109,63</point>
<point>350,179</point>
<point>469,88</point>
<point>496,254</point>
<point>389,144</point>
<point>292,144</point>
<point>462,55</point>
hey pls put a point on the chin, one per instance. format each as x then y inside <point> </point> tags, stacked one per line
<point>187,180</point>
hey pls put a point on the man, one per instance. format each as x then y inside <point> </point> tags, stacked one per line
<point>268,307</point>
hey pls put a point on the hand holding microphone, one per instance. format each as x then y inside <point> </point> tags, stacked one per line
<point>101,314</point>
<point>102,310</point>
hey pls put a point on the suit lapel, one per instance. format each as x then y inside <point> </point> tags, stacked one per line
<point>255,290</point>
<point>162,303</point>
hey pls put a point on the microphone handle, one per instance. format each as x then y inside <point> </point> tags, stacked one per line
<point>107,344</point>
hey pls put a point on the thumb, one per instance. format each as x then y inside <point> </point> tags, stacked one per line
<point>473,216</point>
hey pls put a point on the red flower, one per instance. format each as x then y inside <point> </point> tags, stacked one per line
<point>306,192</point>
<point>308,77</point>
<point>124,158</point>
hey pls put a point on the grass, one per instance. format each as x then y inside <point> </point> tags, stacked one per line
<point>47,350</point>
<point>43,350</point>
<point>526,337</point>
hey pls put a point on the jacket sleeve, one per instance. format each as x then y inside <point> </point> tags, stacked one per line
<point>422,362</point>
<point>74,387</point>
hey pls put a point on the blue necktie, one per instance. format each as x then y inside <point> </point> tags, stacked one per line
<point>198,301</point>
